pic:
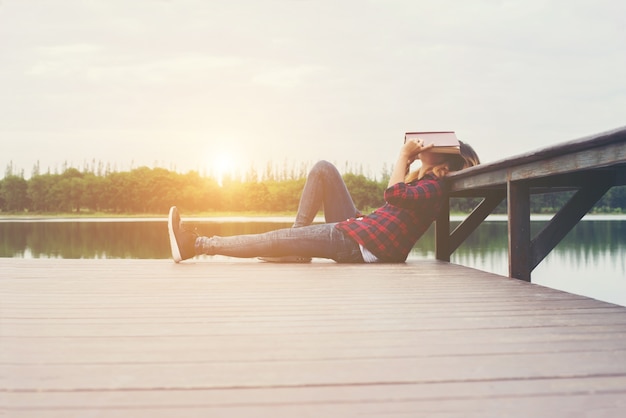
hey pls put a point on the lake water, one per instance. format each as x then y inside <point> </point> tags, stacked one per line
<point>590,261</point>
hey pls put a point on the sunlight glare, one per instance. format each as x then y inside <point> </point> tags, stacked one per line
<point>223,165</point>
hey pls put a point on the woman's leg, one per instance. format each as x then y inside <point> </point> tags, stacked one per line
<point>324,187</point>
<point>323,240</point>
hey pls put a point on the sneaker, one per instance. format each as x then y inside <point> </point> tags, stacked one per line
<point>183,242</point>
<point>286,259</point>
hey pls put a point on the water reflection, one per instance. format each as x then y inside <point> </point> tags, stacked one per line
<point>590,260</point>
<point>589,241</point>
<point>111,239</point>
<point>587,244</point>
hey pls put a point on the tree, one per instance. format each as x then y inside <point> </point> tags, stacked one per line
<point>38,192</point>
<point>613,201</point>
<point>14,193</point>
<point>366,194</point>
<point>92,193</point>
<point>73,187</point>
<point>146,190</point>
<point>255,196</point>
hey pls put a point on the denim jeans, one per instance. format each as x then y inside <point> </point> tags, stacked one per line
<point>324,188</point>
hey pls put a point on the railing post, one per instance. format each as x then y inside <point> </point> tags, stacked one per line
<point>518,205</point>
<point>442,232</point>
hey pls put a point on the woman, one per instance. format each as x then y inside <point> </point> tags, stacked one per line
<point>386,235</point>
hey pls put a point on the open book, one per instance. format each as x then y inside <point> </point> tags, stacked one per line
<point>445,142</point>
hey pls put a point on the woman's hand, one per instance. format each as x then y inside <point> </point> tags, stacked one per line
<point>408,153</point>
<point>413,147</point>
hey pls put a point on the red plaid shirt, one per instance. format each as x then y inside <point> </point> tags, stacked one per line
<point>391,231</point>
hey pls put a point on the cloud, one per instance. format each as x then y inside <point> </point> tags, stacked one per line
<point>288,77</point>
<point>61,60</point>
<point>171,69</point>
<point>94,63</point>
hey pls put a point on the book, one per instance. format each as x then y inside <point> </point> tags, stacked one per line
<point>445,142</point>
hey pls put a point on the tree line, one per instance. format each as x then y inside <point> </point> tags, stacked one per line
<point>146,190</point>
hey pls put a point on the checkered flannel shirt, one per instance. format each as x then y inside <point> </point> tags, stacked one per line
<point>391,231</point>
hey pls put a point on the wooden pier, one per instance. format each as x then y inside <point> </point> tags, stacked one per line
<point>589,166</point>
<point>215,338</point>
<point>242,338</point>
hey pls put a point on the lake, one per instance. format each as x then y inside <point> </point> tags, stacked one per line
<point>590,261</point>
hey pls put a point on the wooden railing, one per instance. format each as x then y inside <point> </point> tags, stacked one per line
<point>590,165</point>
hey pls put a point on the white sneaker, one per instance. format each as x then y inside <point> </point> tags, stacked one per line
<point>182,242</point>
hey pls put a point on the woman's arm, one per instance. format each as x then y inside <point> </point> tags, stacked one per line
<point>408,154</point>
<point>415,196</point>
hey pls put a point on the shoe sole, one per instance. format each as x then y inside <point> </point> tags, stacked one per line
<point>173,243</point>
<point>286,259</point>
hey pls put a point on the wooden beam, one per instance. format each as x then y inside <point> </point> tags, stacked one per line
<point>550,184</point>
<point>571,181</point>
<point>519,230</point>
<point>620,175</point>
<point>442,232</point>
<point>604,150</point>
<point>597,158</point>
<point>474,219</point>
<point>569,215</point>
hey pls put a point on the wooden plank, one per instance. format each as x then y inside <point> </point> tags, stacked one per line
<point>147,338</point>
<point>614,155</point>
<point>108,350</point>
<point>593,152</point>
<point>444,391</point>
<point>564,404</point>
<point>286,372</point>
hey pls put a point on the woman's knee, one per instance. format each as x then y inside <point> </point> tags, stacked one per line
<point>323,166</point>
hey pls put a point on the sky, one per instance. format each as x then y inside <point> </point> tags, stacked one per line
<point>200,84</point>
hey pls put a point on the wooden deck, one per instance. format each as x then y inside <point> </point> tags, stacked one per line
<point>149,338</point>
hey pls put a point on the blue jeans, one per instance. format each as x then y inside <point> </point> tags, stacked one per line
<point>325,188</point>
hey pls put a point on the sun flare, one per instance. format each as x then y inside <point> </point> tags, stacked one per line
<point>223,165</point>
